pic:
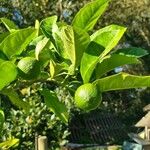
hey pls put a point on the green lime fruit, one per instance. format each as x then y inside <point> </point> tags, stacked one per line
<point>29,68</point>
<point>87,97</point>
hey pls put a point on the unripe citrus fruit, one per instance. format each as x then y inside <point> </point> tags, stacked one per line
<point>87,97</point>
<point>29,68</point>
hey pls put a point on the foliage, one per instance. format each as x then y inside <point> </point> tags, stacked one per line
<point>133,14</point>
<point>69,56</point>
<point>39,120</point>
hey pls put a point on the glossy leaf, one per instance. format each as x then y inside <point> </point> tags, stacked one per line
<point>43,51</point>
<point>41,45</point>
<point>57,107</point>
<point>88,62</point>
<point>48,26</point>
<point>122,81</point>
<point>58,43</point>
<point>104,40</point>
<point>87,17</point>
<point>15,99</point>
<point>108,37</point>
<point>12,143</point>
<point>17,41</point>
<point>8,73</point>
<point>75,42</point>
<point>132,52</point>
<point>69,43</point>
<point>2,119</point>
<point>112,61</point>
<point>82,40</point>
<point>36,40</point>
<point>9,24</point>
<point>50,30</point>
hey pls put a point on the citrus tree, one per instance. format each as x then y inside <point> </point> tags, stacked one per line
<point>70,56</point>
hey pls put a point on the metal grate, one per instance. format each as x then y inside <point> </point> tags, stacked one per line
<point>96,128</point>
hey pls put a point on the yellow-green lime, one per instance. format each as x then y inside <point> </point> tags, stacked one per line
<point>87,97</point>
<point>29,68</point>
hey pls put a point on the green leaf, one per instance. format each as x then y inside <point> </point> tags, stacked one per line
<point>82,40</point>
<point>122,81</point>
<point>37,26</point>
<point>75,42</point>
<point>12,143</point>
<point>2,119</point>
<point>3,56</point>
<point>58,43</point>
<point>15,99</point>
<point>69,43</point>
<point>41,45</point>
<point>87,17</point>
<point>48,26</point>
<point>36,40</point>
<point>103,41</point>
<point>43,75</point>
<point>108,37</point>
<point>43,51</point>
<point>57,107</point>
<point>120,57</point>
<point>88,62</point>
<point>8,73</point>
<point>57,68</point>
<point>3,36</point>
<point>132,52</point>
<point>17,41</point>
<point>110,62</point>
<point>9,24</point>
<point>50,30</point>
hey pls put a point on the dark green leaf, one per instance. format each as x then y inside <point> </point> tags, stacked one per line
<point>3,56</point>
<point>87,17</point>
<point>57,107</point>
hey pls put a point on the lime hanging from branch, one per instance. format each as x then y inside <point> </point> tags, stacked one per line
<point>87,97</point>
